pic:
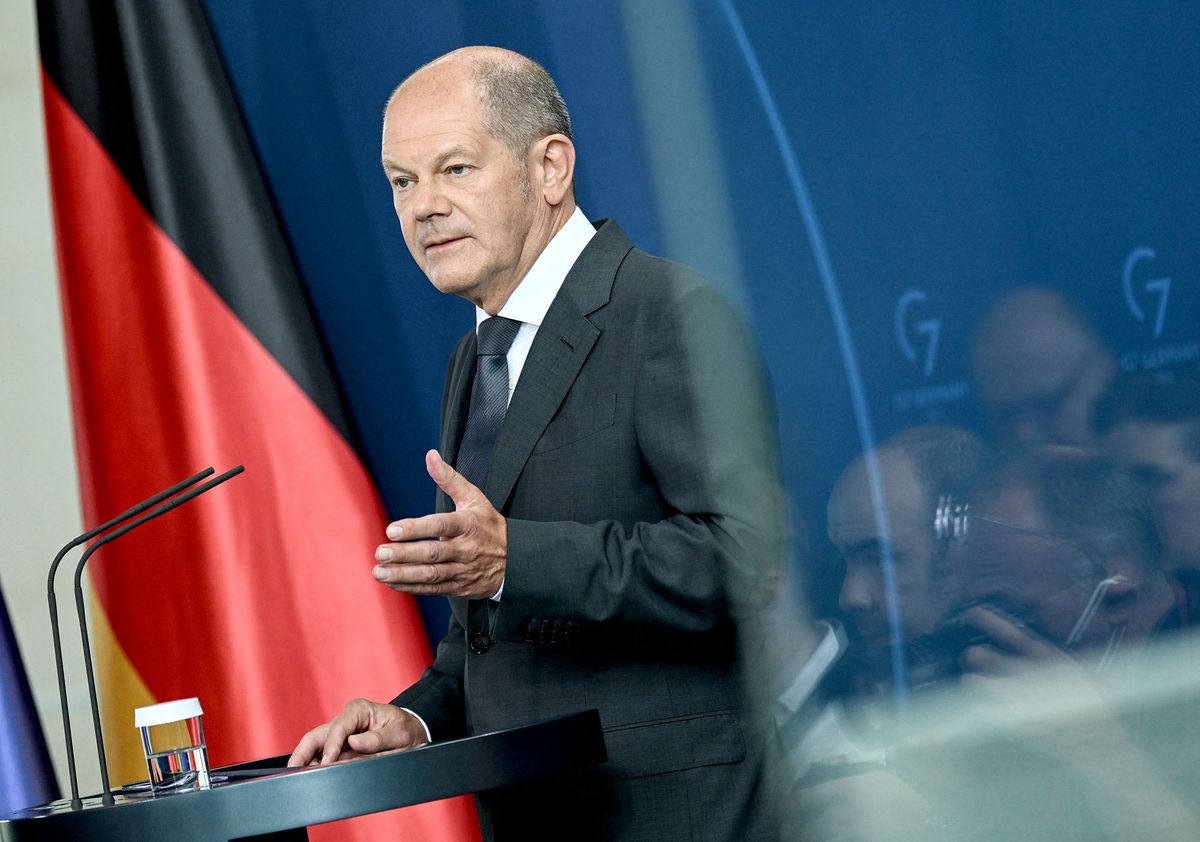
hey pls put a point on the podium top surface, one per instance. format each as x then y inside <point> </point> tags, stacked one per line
<point>293,798</point>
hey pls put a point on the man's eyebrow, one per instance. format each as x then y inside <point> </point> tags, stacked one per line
<point>438,162</point>
<point>389,164</point>
<point>453,152</point>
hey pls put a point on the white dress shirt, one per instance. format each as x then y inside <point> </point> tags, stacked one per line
<point>535,292</point>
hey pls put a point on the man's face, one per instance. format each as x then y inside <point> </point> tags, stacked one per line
<point>922,594</point>
<point>1038,372</point>
<point>466,206</point>
<point>1033,398</point>
<point>1040,581</point>
<point>1159,456</point>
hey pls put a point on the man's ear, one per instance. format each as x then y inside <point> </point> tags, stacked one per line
<point>1126,576</point>
<point>554,167</point>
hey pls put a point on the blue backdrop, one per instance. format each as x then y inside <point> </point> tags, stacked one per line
<point>864,177</point>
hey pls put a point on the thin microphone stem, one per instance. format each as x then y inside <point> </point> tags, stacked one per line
<point>52,601</point>
<point>107,797</point>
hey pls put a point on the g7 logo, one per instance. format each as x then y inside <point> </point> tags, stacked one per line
<point>1158,286</point>
<point>930,328</point>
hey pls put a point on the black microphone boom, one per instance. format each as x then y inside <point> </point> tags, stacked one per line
<point>107,797</point>
<point>52,602</point>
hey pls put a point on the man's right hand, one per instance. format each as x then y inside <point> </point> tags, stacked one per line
<point>362,728</point>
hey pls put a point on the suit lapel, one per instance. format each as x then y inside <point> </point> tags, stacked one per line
<point>559,350</point>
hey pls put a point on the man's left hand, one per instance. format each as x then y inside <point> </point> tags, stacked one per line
<point>1019,646</point>
<point>459,553</point>
<point>1013,686</point>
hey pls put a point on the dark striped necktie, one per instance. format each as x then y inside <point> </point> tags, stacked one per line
<point>489,398</point>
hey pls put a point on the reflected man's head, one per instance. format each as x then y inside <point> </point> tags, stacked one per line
<point>1039,369</point>
<point>477,148</point>
<point>915,468</point>
<point>1152,429</point>
<point>1047,526</point>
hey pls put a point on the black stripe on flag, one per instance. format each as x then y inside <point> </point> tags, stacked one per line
<point>146,78</point>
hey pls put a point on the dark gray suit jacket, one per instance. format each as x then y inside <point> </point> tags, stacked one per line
<point>636,470</point>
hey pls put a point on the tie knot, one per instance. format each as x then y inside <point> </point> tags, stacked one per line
<point>496,335</point>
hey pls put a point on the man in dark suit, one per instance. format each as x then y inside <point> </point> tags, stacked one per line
<point>607,541</point>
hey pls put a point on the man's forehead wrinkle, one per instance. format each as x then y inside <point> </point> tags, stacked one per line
<point>435,145</point>
<point>430,118</point>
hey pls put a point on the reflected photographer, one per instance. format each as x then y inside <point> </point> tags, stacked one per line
<point>1150,424</point>
<point>1059,545</point>
<point>1059,567</point>
<point>916,467</point>
<point>1017,578</point>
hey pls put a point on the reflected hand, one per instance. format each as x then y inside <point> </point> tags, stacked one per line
<point>1017,686</point>
<point>1020,643</point>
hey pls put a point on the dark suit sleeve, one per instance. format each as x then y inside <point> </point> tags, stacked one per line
<point>703,432</point>
<point>437,697</point>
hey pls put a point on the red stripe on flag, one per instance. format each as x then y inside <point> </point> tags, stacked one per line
<point>258,597</point>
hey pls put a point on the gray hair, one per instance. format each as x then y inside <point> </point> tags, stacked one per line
<point>521,101</point>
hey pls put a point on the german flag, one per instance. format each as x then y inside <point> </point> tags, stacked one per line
<point>190,343</point>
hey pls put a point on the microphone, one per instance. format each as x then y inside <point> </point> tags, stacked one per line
<point>52,602</point>
<point>107,797</point>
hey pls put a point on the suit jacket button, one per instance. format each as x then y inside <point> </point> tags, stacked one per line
<point>480,644</point>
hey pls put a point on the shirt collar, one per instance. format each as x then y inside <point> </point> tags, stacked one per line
<point>536,291</point>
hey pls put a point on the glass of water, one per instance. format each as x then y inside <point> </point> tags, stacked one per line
<point>173,742</point>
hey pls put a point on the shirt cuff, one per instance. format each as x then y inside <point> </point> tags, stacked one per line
<point>417,716</point>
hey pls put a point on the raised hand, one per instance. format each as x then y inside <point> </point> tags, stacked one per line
<point>460,553</point>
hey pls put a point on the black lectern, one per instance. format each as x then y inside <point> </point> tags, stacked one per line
<point>290,800</point>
